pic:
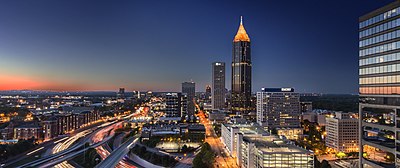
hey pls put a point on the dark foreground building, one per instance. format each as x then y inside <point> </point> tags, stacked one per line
<point>379,70</point>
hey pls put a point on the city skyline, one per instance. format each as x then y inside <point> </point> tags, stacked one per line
<point>76,46</point>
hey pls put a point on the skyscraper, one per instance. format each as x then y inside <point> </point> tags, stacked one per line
<point>189,89</point>
<point>379,79</point>
<point>121,93</point>
<point>241,72</point>
<point>208,93</point>
<point>218,85</point>
<point>278,108</point>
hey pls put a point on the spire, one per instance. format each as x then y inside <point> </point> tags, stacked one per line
<point>241,35</point>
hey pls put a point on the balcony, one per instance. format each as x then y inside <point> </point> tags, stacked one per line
<point>381,143</point>
<point>376,164</point>
<point>379,126</point>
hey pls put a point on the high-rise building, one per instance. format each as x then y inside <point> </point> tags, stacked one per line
<point>175,105</point>
<point>278,108</point>
<point>208,90</point>
<point>241,72</point>
<point>379,79</point>
<point>136,94</point>
<point>342,132</point>
<point>189,88</point>
<point>121,93</point>
<point>218,85</point>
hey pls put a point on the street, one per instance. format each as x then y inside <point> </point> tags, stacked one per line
<point>222,159</point>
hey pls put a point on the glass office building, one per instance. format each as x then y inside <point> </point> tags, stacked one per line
<point>379,79</point>
<point>241,72</point>
<point>218,85</point>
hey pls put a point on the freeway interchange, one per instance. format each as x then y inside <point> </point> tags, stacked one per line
<point>58,152</point>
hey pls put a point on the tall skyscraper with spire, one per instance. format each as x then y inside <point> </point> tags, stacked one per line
<point>241,72</point>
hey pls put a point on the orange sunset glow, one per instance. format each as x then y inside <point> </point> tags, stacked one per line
<point>19,83</point>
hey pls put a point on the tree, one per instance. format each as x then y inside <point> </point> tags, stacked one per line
<point>325,164</point>
<point>198,162</point>
<point>317,164</point>
<point>184,148</point>
<point>205,158</point>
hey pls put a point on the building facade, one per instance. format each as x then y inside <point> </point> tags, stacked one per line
<point>189,88</point>
<point>218,85</point>
<point>28,131</point>
<point>175,105</point>
<point>252,147</point>
<point>278,108</point>
<point>379,79</point>
<point>241,73</point>
<point>121,93</point>
<point>269,151</point>
<point>306,107</point>
<point>290,133</point>
<point>208,93</point>
<point>342,133</point>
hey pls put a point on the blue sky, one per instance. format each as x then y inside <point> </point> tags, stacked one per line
<point>155,45</point>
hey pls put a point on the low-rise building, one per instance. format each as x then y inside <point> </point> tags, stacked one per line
<point>342,132</point>
<point>28,131</point>
<point>217,116</point>
<point>269,151</point>
<point>186,132</point>
<point>252,147</point>
<point>306,107</point>
<point>290,133</point>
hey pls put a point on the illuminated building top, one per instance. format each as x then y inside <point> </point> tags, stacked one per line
<point>241,35</point>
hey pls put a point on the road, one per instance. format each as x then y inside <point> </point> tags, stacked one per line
<point>115,156</point>
<point>45,149</point>
<point>223,159</point>
<point>67,147</point>
<point>105,150</point>
<point>118,140</point>
<point>36,150</point>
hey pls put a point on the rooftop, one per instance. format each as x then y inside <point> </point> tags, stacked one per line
<point>272,144</point>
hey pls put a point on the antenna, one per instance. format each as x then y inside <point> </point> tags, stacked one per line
<point>241,20</point>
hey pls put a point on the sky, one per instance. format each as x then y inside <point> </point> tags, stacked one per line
<point>156,45</point>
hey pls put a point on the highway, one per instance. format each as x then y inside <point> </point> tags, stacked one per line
<point>105,150</point>
<point>223,159</point>
<point>65,150</point>
<point>115,156</point>
<point>65,145</point>
<point>39,148</point>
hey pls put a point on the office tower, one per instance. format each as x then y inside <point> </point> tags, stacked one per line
<point>218,85</point>
<point>241,72</point>
<point>278,108</point>
<point>342,132</point>
<point>189,89</point>
<point>121,93</point>
<point>379,80</point>
<point>175,105</point>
